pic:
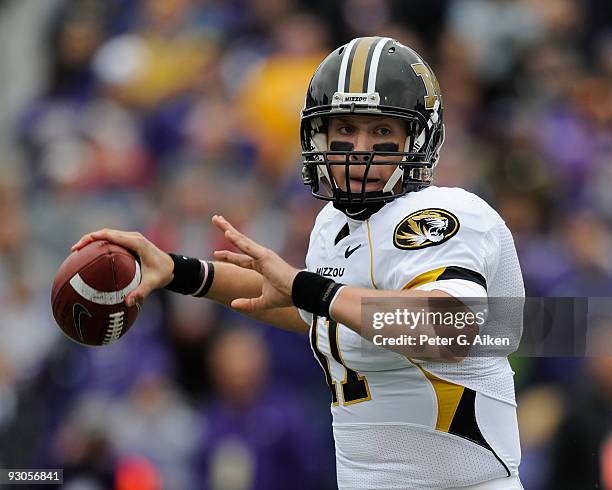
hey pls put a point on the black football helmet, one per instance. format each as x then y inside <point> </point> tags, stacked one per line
<point>372,76</point>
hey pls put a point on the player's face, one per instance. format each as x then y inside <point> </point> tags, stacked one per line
<point>363,132</point>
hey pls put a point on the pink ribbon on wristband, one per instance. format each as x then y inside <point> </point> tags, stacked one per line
<point>204,277</point>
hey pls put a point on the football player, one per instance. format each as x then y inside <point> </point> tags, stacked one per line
<point>371,134</point>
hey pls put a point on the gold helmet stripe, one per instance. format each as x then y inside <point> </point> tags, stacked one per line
<point>358,66</point>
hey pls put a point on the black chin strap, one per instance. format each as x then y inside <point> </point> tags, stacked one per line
<point>359,212</point>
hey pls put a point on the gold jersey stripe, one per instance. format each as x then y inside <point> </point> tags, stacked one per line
<point>358,68</point>
<point>426,277</point>
<point>448,395</point>
<point>371,255</point>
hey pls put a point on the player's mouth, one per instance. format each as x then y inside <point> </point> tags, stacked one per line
<point>372,184</point>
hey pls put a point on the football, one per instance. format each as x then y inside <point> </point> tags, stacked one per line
<point>88,293</point>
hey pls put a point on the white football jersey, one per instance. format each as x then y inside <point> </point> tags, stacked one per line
<point>400,423</point>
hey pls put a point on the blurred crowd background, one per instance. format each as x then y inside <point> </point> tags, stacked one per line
<point>152,115</point>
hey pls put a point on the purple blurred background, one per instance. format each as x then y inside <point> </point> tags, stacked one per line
<point>153,115</point>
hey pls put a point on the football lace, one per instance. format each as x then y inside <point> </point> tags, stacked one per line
<point>115,327</point>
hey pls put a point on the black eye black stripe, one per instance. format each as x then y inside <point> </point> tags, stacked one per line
<point>341,146</point>
<point>386,147</point>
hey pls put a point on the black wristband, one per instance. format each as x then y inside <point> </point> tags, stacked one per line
<point>188,275</point>
<point>314,293</point>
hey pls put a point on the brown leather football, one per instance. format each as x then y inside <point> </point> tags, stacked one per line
<point>88,293</point>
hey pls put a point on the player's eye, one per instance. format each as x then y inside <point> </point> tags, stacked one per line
<point>346,130</point>
<point>383,131</point>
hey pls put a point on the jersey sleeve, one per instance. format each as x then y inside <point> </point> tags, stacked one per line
<point>461,265</point>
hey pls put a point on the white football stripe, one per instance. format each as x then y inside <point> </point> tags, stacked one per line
<point>344,64</point>
<point>374,63</point>
<point>104,297</point>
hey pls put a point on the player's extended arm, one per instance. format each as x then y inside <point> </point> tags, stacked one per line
<point>345,307</point>
<point>285,285</point>
<point>343,311</point>
<point>229,282</point>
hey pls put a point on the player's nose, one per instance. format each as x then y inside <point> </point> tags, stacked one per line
<point>362,142</point>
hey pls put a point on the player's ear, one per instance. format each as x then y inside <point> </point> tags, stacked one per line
<point>319,140</point>
<point>319,129</point>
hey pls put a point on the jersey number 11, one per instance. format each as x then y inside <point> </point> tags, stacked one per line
<point>354,387</point>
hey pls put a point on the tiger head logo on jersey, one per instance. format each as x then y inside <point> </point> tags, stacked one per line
<point>425,228</point>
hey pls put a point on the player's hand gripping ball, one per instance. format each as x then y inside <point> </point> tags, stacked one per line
<point>89,290</point>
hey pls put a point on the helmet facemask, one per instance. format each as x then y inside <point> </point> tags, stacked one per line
<point>413,165</point>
